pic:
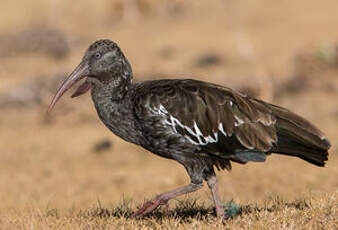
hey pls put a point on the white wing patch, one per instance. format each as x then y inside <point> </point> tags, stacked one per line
<point>195,131</point>
<point>238,121</point>
<point>220,128</point>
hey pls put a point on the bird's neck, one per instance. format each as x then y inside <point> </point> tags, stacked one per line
<point>113,87</point>
<point>114,90</point>
<point>114,106</point>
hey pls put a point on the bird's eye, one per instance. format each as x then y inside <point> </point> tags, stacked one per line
<point>97,55</point>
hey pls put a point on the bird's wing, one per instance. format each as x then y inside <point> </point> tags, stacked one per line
<point>210,115</point>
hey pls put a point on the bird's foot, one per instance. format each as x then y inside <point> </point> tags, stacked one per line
<point>222,215</point>
<point>220,212</point>
<point>151,205</point>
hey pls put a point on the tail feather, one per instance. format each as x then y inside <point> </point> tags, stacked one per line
<point>298,137</point>
<point>312,155</point>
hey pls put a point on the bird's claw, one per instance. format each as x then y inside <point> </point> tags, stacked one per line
<point>150,206</point>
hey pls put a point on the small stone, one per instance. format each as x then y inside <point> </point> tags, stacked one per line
<point>208,60</point>
<point>102,145</point>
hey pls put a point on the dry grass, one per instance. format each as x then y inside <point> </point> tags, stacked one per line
<point>50,177</point>
<point>310,212</point>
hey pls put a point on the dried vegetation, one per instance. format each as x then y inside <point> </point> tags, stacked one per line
<point>54,169</point>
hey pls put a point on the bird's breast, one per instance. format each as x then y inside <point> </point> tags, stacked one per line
<point>118,117</point>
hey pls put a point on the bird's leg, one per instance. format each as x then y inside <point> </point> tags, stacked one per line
<point>163,198</point>
<point>212,183</point>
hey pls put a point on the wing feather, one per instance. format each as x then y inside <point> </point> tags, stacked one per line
<point>207,111</point>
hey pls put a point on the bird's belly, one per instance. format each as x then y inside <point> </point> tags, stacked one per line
<point>166,143</point>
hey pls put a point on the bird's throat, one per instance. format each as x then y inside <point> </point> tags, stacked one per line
<point>115,90</point>
<point>82,89</point>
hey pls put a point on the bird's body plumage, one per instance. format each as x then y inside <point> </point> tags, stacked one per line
<point>177,119</point>
<point>200,125</point>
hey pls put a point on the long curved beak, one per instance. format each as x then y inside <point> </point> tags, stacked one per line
<point>79,73</point>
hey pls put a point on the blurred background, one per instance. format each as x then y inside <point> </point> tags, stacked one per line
<point>284,52</point>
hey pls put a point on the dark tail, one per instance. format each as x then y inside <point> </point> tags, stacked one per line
<point>298,137</point>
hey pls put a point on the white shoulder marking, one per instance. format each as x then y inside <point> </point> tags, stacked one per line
<point>210,139</point>
<point>191,140</point>
<point>238,121</point>
<point>195,132</point>
<point>162,110</point>
<point>220,128</point>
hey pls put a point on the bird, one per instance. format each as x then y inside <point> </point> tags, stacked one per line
<point>202,126</point>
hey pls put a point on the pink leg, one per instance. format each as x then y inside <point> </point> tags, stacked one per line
<point>212,183</point>
<point>163,198</point>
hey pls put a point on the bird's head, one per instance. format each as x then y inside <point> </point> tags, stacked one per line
<point>102,64</point>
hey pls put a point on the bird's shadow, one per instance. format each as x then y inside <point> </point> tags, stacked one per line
<point>188,210</point>
<point>185,211</point>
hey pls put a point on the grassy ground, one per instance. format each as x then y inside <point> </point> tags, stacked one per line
<point>52,174</point>
<point>315,211</point>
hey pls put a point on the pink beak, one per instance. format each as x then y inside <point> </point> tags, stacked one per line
<point>80,72</point>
